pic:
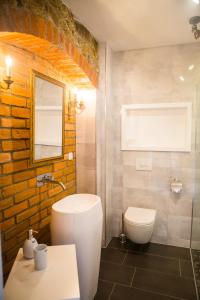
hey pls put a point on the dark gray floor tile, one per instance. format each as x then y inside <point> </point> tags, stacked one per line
<point>186,268</point>
<point>168,251</point>
<point>152,248</point>
<point>116,273</point>
<point>156,263</point>
<point>127,293</point>
<point>115,243</point>
<point>113,255</point>
<point>170,285</point>
<point>104,290</point>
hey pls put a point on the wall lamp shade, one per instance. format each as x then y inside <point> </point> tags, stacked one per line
<point>8,80</point>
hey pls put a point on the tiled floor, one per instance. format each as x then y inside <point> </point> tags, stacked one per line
<point>196,263</point>
<point>150,272</point>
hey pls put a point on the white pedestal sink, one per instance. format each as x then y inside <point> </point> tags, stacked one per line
<point>78,219</point>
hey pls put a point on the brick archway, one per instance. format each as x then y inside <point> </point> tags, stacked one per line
<point>43,38</point>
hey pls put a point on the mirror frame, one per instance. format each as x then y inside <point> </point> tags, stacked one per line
<point>41,161</point>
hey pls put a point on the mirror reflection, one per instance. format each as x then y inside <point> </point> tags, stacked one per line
<point>48,111</point>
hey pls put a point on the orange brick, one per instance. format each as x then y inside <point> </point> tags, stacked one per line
<point>70,148</point>
<point>15,166</point>
<point>71,163</point>
<point>24,175</point>
<point>70,134</point>
<point>4,110</point>
<point>44,222</point>
<point>58,174</point>
<point>60,165</point>
<point>16,230</point>
<point>20,91</point>
<point>11,254</point>
<point>69,141</point>
<point>71,177</point>
<point>54,191</point>
<point>43,170</point>
<point>28,144</point>
<point>7,224</point>
<point>27,214</point>
<point>21,154</point>
<point>69,126</point>
<point>20,112</point>
<point>12,100</point>
<point>5,157</point>
<point>12,122</point>
<point>9,244</point>
<point>5,203</point>
<point>20,133</point>
<point>13,145</point>
<point>70,170</point>
<point>24,195</point>
<point>34,219</point>
<point>32,182</point>
<point>44,215</point>
<point>13,189</point>
<point>15,209</point>
<point>28,123</point>
<point>5,134</point>
<point>5,180</point>
<point>34,200</point>
<point>43,196</point>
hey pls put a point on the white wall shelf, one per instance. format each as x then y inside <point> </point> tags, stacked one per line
<point>156,127</point>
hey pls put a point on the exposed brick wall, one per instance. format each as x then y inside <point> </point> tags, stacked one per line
<point>22,204</point>
<point>30,24</point>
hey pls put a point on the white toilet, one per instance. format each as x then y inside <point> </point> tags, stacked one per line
<point>139,223</point>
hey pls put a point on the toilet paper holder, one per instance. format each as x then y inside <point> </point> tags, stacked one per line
<point>176,185</point>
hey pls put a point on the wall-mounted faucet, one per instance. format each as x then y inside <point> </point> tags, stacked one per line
<point>48,178</point>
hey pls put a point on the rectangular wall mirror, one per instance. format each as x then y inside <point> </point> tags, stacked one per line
<point>47,118</point>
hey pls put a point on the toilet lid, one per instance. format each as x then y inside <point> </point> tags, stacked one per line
<point>140,216</point>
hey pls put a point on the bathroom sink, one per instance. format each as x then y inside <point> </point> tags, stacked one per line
<point>78,219</point>
<point>77,203</point>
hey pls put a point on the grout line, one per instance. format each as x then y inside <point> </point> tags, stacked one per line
<point>117,264</point>
<point>179,261</point>
<point>125,256</point>
<point>133,278</point>
<point>157,293</point>
<point>159,272</point>
<point>153,254</point>
<point>194,275</point>
<point>117,283</point>
<point>114,285</point>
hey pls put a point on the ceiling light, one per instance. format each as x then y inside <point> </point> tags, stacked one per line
<point>191,67</point>
<point>196,1</point>
<point>181,78</point>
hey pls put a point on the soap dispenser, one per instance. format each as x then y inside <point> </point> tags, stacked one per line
<point>29,245</point>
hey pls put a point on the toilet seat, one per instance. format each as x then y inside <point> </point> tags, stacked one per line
<point>139,216</point>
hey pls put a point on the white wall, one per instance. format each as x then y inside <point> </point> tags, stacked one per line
<point>149,76</point>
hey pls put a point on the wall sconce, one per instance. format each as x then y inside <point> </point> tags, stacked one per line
<point>78,104</point>
<point>7,81</point>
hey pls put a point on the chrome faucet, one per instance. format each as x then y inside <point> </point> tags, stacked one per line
<point>48,178</point>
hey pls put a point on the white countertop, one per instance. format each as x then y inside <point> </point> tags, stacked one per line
<point>59,281</point>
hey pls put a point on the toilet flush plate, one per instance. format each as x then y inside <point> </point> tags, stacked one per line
<point>143,164</point>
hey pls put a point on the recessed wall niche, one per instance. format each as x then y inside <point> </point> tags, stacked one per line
<point>156,127</point>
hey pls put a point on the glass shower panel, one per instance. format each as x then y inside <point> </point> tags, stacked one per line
<point>195,234</point>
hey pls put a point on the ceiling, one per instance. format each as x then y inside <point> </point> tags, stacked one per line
<point>136,24</point>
